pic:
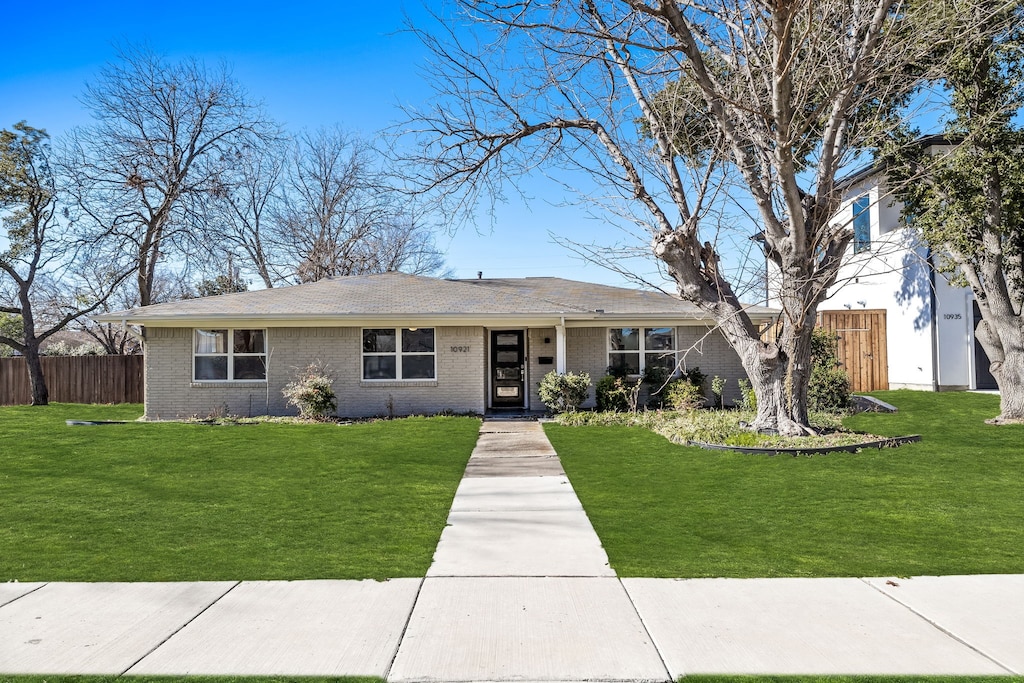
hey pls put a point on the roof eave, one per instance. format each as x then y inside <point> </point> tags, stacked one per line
<point>549,319</point>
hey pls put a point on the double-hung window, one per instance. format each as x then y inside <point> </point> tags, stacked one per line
<point>631,350</point>
<point>405,353</point>
<point>229,355</point>
<point>861,224</point>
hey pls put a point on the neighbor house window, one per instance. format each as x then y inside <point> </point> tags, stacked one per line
<point>398,353</point>
<point>224,355</point>
<point>861,224</point>
<point>631,350</point>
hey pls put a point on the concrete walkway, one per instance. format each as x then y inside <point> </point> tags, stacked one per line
<point>520,590</point>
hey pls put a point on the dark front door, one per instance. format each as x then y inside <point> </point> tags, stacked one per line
<point>983,378</point>
<point>508,369</point>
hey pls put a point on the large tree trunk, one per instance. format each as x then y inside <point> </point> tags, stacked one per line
<point>1001,330</point>
<point>778,373</point>
<point>36,381</point>
<point>30,349</point>
<point>1003,341</point>
<point>778,369</point>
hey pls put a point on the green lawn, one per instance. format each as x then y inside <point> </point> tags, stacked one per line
<point>703,678</point>
<point>952,504</point>
<point>190,502</point>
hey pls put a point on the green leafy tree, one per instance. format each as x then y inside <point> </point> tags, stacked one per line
<point>222,284</point>
<point>966,191</point>
<point>39,287</point>
<point>830,389</point>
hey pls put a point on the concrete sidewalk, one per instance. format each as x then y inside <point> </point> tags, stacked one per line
<point>520,589</point>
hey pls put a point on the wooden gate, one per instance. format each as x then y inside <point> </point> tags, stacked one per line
<point>862,346</point>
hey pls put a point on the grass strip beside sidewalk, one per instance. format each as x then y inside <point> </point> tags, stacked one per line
<point>952,504</point>
<point>190,502</point>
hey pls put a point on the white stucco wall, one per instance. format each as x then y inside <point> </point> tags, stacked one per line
<point>894,275</point>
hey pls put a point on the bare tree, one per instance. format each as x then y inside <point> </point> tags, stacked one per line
<point>164,142</point>
<point>116,339</point>
<point>337,214</point>
<point>404,242</point>
<point>675,106</point>
<point>329,206</point>
<point>37,283</point>
<point>248,208</point>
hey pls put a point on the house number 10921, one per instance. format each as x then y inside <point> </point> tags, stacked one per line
<point>460,349</point>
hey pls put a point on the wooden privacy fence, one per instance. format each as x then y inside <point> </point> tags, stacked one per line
<point>862,346</point>
<point>76,379</point>
<point>863,350</point>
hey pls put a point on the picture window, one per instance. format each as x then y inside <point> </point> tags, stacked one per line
<point>229,355</point>
<point>406,353</point>
<point>631,350</point>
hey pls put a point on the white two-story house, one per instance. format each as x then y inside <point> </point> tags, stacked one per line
<point>901,323</point>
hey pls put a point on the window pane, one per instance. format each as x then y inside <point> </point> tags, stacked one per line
<point>861,224</point>
<point>250,341</point>
<point>420,340</point>
<point>661,360</point>
<point>627,363</point>
<point>660,339</point>
<point>379,341</point>
<point>506,356</point>
<point>211,367</point>
<point>506,340</point>
<point>417,367</point>
<point>379,367</point>
<point>624,339</point>
<point>250,367</point>
<point>211,341</point>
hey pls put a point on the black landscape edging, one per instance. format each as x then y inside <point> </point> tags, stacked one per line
<point>852,448</point>
<point>93,423</point>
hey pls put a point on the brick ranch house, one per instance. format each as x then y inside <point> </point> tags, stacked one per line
<point>401,344</point>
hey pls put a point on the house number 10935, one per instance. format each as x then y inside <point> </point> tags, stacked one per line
<point>460,349</point>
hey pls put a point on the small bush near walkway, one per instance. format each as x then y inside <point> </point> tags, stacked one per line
<point>564,392</point>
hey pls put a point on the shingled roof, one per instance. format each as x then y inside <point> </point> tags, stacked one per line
<point>399,296</point>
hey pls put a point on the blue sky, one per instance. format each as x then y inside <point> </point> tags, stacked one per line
<point>312,64</point>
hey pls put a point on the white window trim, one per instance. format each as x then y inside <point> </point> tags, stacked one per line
<point>642,350</point>
<point>397,353</point>
<point>230,356</point>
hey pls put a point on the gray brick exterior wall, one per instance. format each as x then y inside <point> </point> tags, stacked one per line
<point>171,393</point>
<point>698,346</point>
<point>461,384</point>
<point>586,350</point>
<point>537,348</point>
<point>707,349</point>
